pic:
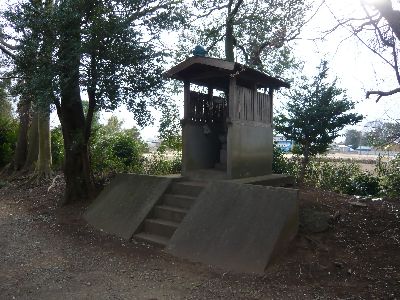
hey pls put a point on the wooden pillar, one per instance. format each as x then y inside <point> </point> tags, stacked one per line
<point>186,100</point>
<point>271,94</point>
<point>232,98</point>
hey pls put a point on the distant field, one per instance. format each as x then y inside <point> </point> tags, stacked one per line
<point>366,161</point>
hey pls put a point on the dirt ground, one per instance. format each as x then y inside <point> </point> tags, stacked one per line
<point>48,252</point>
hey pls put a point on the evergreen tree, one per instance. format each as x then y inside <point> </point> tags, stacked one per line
<point>353,138</point>
<point>315,113</point>
<point>104,50</point>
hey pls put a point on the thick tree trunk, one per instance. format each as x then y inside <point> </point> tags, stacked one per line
<point>33,144</point>
<point>43,165</point>
<point>77,171</point>
<point>391,15</point>
<point>229,41</point>
<point>21,150</point>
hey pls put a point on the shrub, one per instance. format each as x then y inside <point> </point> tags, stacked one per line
<point>340,177</point>
<point>57,147</point>
<point>279,162</point>
<point>283,165</point>
<point>331,176</point>
<point>390,181</point>
<point>8,139</point>
<point>363,184</point>
<point>116,153</point>
<point>159,164</point>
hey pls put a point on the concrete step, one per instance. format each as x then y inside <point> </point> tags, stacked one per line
<point>160,227</point>
<point>153,239</point>
<point>169,213</point>
<point>186,188</point>
<point>178,200</point>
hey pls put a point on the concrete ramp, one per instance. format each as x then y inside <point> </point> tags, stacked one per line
<point>237,227</point>
<point>124,203</point>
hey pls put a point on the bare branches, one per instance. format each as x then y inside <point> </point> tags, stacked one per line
<point>215,8</point>
<point>246,56</point>
<point>392,16</point>
<point>383,22</point>
<point>215,41</point>
<point>236,8</point>
<point>5,44</point>
<point>381,94</point>
<point>6,51</point>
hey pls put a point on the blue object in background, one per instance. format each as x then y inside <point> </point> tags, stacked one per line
<point>199,51</point>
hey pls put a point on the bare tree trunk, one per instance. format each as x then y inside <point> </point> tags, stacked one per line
<point>43,165</point>
<point>33,145</point>
<point>21,150</point>
<point>233,9</point>
<point>77,170</point>
<point>229,41</point>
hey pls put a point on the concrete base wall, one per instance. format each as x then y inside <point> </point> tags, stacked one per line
<point>249,149</point>
<point>200,150</point>
<point>124,203</point>
<point>238,227</point>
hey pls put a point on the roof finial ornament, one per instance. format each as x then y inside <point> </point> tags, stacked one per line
<point>199,51</point>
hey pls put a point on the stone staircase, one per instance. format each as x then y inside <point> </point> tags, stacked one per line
<point>165,217</point>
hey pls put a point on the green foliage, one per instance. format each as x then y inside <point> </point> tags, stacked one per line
<point>380,134</point>
<point>57,147</point>
<point>116,150</point>
<point>8,139</point>
<point>341,177</point>
<point>258,30</point>
<point>5,104</point>
<point>353,138</point>
<point>8,126</point>
<point>391,178</point>
<point>159,164</point>
<point>331,176</point>
<point>283,165</point>
<point>315,113</point>
<point>170,130</point>
<point>363,184</point>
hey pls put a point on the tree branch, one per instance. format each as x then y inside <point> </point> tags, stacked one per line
<point>246,56</point>
<point>5,44</point>
<point>382,93</point>
<point>6,51</point>
<point>211,11</point>
<point>236,8</point>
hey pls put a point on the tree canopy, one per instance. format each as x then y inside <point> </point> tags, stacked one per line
<point>315,113</point>
<point>104,51</point>
<point>381,134</point>
<point>378,28</point>
<point>353,138</point>
<point>259,31</point>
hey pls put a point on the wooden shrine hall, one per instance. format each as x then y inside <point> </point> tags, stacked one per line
<point>226,209</point>
<point>227,123</point>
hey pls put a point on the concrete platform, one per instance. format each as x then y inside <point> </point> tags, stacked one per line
<point>124,203</point>
<point>281,180</point>
<point>239,227</point>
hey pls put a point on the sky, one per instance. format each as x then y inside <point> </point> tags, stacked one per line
<point>356,68</point>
